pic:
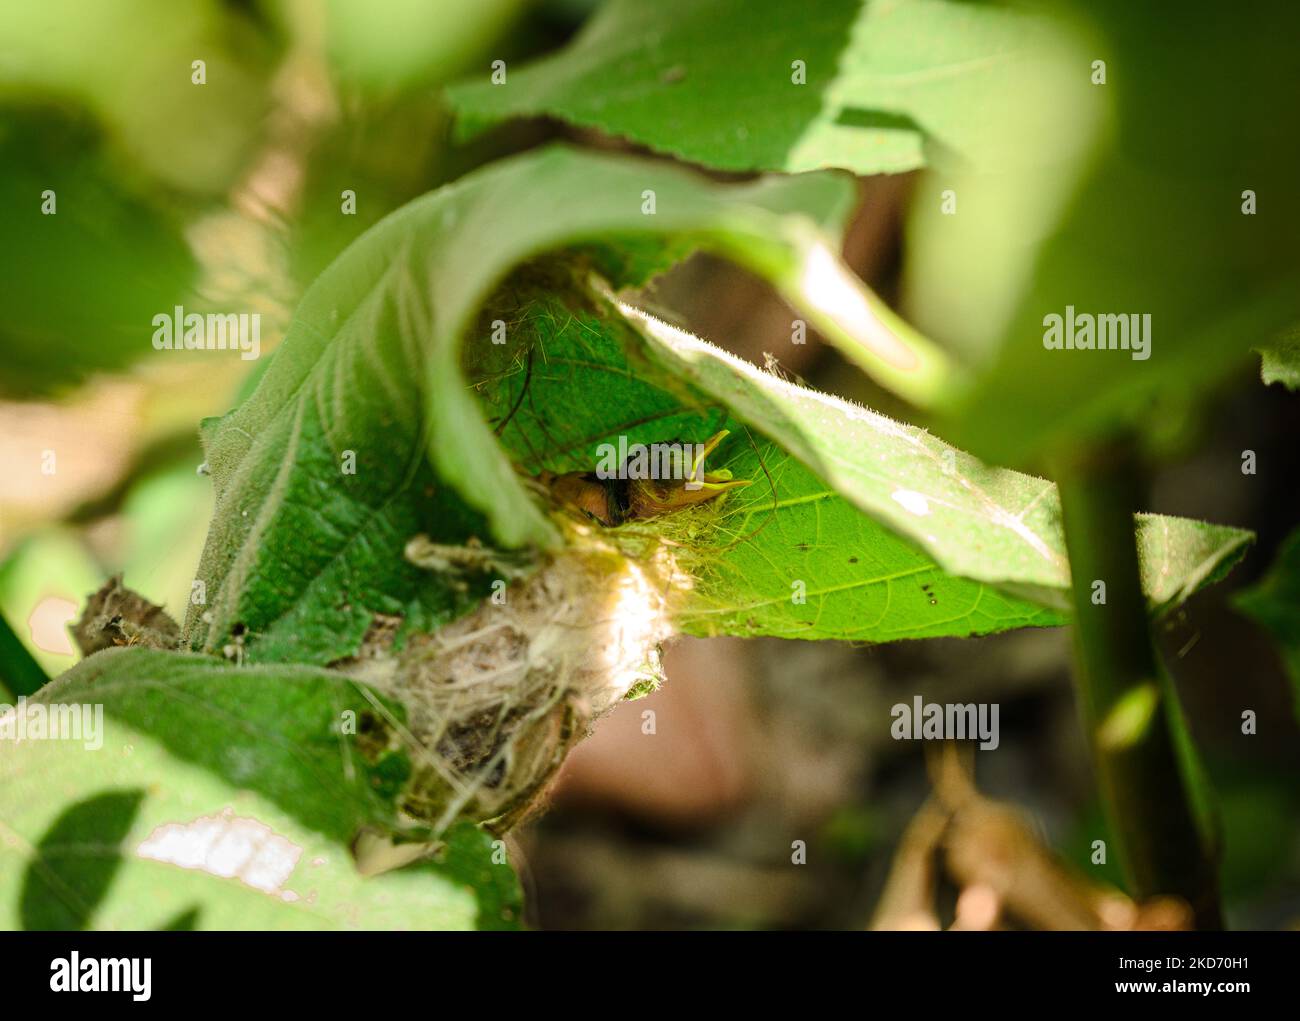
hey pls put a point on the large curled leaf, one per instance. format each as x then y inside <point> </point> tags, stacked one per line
<point>223,798</point>
<point>361,433</point>
<point>886,86</point>
<point>979,522</point>
<point>573,353</point>
<point>853,526</point>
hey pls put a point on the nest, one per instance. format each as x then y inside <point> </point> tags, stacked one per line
<point>496,700</point>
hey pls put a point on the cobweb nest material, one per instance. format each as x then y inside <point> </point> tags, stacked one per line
<point>497,699</point>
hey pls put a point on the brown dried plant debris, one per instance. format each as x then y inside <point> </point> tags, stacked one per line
<point>1004,875</point>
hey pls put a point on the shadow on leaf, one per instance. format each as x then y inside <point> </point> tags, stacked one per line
<point>74,864</point>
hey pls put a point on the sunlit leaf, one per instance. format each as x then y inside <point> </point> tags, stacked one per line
<point>874,87</point>
<point>224,798</point>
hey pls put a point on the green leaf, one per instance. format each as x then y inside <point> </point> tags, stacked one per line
<point>390,47</point>
<point>108,242</point>
<point>222,798</point>
<point>978,522</point>
<point>1194,228</point>
<point>1274,603</point>
<point>832,484</point>
<point>302,555</point>
<point>1281,361</point>
<point>181,137</point>
<point>569,351</point>
<point>889,86</point>
<point>797,560</point>
<point>19,671</point>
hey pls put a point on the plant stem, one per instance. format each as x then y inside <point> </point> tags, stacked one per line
<point>849,314</point>
<point>1143,759</point>
<point>19,671</point>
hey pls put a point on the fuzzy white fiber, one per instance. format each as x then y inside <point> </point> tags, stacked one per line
<point>497,698</point>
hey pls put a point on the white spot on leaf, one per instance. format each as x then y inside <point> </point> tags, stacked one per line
<point>911,500</point>
<point>226,845</point>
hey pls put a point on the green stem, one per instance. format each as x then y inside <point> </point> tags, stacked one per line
<point>1144,765</point>
<point>847,313</point>
<point>19,671</point>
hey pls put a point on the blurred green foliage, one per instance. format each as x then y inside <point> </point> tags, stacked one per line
<point>127,188</point>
